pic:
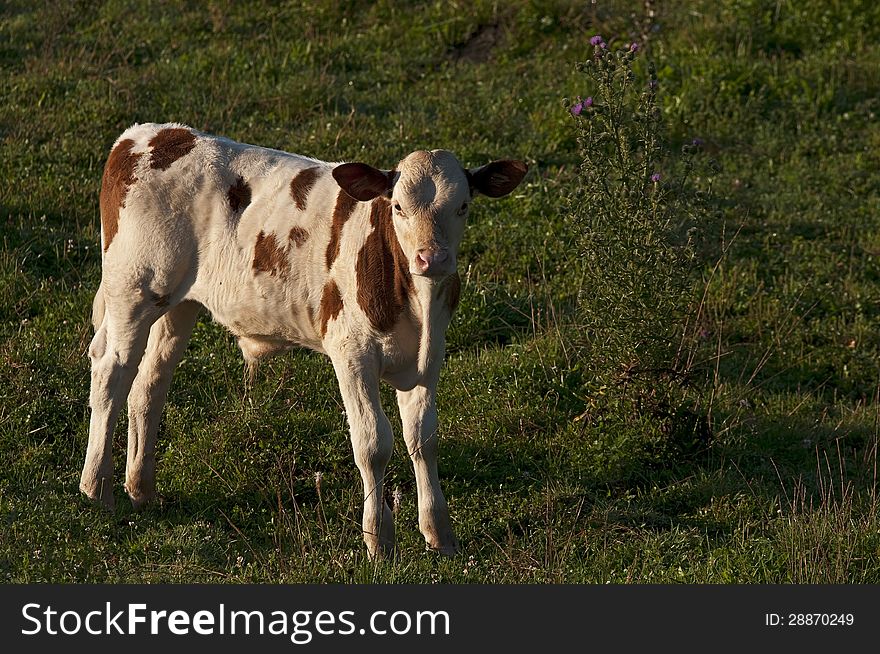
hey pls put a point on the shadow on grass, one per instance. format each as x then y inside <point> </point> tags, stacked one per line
<point>488,315</point>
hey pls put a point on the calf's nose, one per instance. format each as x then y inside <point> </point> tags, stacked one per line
<point>428,260</point>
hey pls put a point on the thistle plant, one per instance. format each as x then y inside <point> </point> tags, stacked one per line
<point>634,220</point>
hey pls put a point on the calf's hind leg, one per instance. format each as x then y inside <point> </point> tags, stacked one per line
<point>115,352</point>
<point>169,336</point>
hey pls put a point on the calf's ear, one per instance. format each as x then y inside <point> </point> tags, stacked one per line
<point>363,182</point>
<point>498,178</point>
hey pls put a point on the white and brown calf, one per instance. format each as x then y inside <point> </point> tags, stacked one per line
<point>345,259</point>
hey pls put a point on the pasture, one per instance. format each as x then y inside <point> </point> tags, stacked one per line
<point>775,482</point>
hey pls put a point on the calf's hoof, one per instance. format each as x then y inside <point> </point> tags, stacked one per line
<point>139,499</point>
<point>379,548</point>
<point>437,530</point>
<point>100,492</point>
<point>452,550</point>
<point>449,548</point>
<point>381,552</point>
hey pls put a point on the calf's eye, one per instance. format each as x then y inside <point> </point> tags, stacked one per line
<point>463,209</point>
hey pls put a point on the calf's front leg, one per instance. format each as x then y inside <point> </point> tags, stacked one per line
<point>418,413</point>
<point>372,442</point>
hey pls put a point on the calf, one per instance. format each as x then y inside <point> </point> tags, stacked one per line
<point>346,259</point>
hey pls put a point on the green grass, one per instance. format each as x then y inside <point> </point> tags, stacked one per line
<point>784,490</point>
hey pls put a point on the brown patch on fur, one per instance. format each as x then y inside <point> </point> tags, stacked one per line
<point>331,305</point>
<point>383,278</point>
<point>302,184</point>
<point>118,178</point>
<point>239,195</point>
<point>269,257</point>
<point>169,145</point>
<point>345,205</point>
<point>298,236</point>
<point>453,292</point>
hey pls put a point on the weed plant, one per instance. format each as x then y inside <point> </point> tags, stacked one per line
<point>636,221</point>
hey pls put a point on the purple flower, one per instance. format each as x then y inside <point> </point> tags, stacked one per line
<point>697,141</point>
<point>653,84</point>
<point>633,47</point>
<point>655,177</point>
<point>580,105</point>
<point>596,40</point>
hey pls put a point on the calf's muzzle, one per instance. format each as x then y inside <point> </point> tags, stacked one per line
<point>432,261</point>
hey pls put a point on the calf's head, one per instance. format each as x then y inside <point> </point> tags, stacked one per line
<point>430,195</point>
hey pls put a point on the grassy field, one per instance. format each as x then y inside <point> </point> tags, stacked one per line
<point>783,488</point>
